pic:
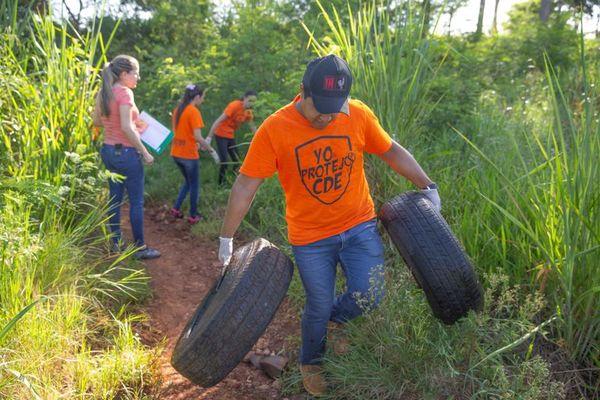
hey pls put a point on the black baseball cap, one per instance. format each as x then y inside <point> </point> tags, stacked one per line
<point>328,80</point>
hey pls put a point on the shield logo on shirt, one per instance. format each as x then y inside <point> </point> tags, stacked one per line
<point>325,165</point>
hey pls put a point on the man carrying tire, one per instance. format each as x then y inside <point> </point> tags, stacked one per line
<point>316,144</point>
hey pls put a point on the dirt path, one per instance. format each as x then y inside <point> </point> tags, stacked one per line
<point>179,280</point>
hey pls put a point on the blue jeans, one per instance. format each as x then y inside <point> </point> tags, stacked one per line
<point>125,161</point>
<point>191,171</point>
<point>359,251</point>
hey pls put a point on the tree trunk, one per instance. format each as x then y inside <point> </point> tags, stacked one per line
<point>426,16</point>
<point>479,30</point>
<point>545,10</point>
<point>495,21</point>
<point>75,18</point>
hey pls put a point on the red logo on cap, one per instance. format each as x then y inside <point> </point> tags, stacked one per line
<point>328,82</point>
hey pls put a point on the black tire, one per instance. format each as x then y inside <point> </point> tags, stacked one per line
<point>234,314</point>
<point>434,256</point>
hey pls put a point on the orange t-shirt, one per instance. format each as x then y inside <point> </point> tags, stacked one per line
<point>236,115</point>
<point>321,171</point>
<point>184,142</point>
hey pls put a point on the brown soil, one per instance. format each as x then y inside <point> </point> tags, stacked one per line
<point>180,278</point>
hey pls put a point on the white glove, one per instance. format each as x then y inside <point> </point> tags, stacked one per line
<point>432,194</point>
<point>225,250</point>
<point>214,155</point>
<point>208,139</point>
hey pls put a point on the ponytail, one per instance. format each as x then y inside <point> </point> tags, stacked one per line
<point>191,91</point>
<point>110,74</point>
<point>105,95</point>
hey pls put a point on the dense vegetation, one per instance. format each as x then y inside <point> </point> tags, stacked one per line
<point>507,124</point>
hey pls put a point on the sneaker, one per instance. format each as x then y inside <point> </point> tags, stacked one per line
<point>313,380</point>
<point>337,338</point>
<point>176,212</point>
<point>146,253</point>
<point>192,220</point>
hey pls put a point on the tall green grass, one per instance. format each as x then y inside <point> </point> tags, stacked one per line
<point>401,351</point>
<point>64,329</point>
<point>63,264</point>
<point>524,198</point>
<point>60,108</point>
<point>551,214</point>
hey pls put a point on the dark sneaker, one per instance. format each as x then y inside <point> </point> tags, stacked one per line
<point>192,220</point>
<point>146,253</point>
<point>175,212</point>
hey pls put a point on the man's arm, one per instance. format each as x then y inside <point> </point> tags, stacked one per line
<point>405,164</point>
<point>241,196</point>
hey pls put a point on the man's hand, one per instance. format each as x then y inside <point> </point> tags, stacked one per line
<point>208,140</point>
<point>432,194</point>
<point>225,250</point>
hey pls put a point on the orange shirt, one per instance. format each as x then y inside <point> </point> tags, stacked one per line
<point>236,115</point>
<point>184,142</point>
<point>321,171</point>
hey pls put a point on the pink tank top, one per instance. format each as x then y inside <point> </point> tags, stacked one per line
<point>113,133</point>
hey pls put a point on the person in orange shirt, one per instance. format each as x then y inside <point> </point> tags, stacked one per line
<point>316,145</point>
<point>187,126</point>
<point>236,113</point>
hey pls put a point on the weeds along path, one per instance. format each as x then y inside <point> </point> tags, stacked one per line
<point>180,279</point>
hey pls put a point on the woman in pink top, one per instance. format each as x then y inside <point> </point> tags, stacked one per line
<point>122,151</point>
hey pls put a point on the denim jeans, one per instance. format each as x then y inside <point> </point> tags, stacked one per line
<point>226,146</point>
<point>359,251</point>
<point>191,171</point>
<point>125,161</point>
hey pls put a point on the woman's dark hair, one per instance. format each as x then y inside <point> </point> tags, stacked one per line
<point>191,91</point>
<point>249,93</point>
<point>110,74</point>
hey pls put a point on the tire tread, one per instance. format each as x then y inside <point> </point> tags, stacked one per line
<point>238,312</point>
<point>433,254</point>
